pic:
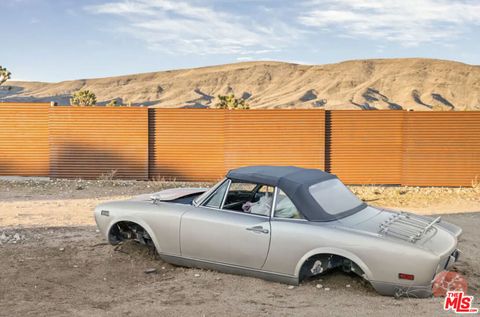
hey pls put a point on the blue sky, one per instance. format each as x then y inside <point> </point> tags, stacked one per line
<point>54,40</point>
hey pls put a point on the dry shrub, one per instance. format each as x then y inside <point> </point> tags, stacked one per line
<point>401,196</point>
<point>108,176</point>
<point>476,184</point>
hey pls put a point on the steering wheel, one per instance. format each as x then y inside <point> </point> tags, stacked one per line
<point>254,193</point>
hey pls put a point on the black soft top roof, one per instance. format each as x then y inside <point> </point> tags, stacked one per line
<point>274,175</point>
<point>295,182</point>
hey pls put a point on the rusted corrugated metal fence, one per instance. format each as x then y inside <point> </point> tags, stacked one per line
<point>361,147</point>
<point>365,147</point>
<point>24,149</point>
<point>186,145</point>
<point>441,148</point>
<point>92,142</point>
<point>199,144</point>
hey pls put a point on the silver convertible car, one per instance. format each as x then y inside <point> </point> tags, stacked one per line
<point>286,224</point>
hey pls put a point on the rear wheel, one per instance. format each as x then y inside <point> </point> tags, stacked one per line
<point>321,263</point>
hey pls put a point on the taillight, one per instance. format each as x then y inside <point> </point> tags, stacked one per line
<point>404,276</point>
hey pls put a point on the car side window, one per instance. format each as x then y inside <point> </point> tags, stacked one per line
<point>284,207</point>
<point>215,201</point>
<point>249,198</point>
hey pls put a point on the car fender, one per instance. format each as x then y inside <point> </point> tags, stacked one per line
<point>336,251</point>
<point>139,222</point>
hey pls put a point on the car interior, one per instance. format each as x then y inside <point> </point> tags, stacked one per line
<point>241,193</point>
<point>252,198</point>
<point>258,199</point>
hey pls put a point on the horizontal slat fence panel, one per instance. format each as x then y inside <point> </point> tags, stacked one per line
<point>186,144</point>
<point>24,139</point>
<point>361,147</point>
<point>198,144</point>
<point>365,146</point>
<point>98,142</point>
<point>275,137</point>
<point>441,148</point>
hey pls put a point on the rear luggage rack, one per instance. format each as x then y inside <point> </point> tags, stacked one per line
<point>407,226</point>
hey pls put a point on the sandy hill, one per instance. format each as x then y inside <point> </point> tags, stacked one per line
<point>420,84</point>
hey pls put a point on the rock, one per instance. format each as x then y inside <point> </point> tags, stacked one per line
<point>150,271</point>
<point>327,288</point>
<point>61,249</point>
<point>348,285</point>
<point>196,275</point>
<point>319,286</point>
<point>75,266</point>
<point>447,281</point>
<point>291,287</point>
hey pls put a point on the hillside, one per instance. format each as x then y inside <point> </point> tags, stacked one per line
<point>420,84</point>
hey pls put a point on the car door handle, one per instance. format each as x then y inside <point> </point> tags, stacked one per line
<point>258,229</point>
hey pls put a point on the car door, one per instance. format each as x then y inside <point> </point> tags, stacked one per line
<point>211,233</point>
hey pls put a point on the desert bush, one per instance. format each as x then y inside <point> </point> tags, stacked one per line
<point>108,176</point>
<point>476,184</point>
<point>231,103</point>
<point>4,74</point>
<point>83,98</point>
<point>112,103</point>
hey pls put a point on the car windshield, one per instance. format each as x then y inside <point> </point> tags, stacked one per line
<point>334,197</point>
<point>197,200</point>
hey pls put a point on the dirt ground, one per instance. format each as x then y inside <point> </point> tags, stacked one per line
<point>53,262</point>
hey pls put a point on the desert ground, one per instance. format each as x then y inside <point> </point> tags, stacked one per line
<point>410,83</point>
<point>53,262</point>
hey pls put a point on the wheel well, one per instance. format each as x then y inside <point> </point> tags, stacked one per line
<point>128,230</point>
<point>321,263</point>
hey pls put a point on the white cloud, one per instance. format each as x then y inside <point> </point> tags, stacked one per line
<point>409,22</point>
<point>187,27</point>
<point>245,58</point>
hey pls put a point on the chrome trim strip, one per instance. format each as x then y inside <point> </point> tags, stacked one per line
<point>235,212</point>
<point>226,194</point>
<point>230,268</point>
<point>274,202</point>
<point>289,219</point>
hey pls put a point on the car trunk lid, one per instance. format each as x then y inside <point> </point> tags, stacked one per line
<point>423,231</point>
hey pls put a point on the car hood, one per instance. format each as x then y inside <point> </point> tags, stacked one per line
<point>170,194</point>
<point>438,237</point>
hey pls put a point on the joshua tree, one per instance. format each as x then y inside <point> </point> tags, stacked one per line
<point>83,98</point>
<point>4,74</point>
<point>231,103</point>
